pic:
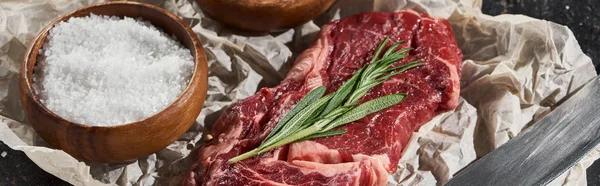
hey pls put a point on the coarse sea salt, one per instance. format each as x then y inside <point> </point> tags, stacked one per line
<point>105,71</point>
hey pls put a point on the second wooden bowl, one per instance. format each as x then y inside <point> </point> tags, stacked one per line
<point>264,15</point>
<point>128,141</point>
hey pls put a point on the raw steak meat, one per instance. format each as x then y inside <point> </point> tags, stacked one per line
<point>372,147</point>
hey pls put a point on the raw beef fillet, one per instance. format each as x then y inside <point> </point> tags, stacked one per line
<point>372,147</point>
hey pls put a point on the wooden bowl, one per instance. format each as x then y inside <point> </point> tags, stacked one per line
<point>264,15</point>
<point>128,141</point>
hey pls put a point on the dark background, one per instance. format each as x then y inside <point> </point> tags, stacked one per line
<point>581,16</point>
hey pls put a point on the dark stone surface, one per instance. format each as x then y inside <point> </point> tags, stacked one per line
<point>17,169</point>
<point>582,16</point>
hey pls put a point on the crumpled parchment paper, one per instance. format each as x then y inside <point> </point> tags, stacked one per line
<point>516,70</point>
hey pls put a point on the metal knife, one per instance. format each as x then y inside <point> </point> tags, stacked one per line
<point>544,151</point>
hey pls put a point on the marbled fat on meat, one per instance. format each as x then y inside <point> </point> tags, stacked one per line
<point>372,147</point>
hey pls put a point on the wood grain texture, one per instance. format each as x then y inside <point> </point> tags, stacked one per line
<point>128,141</point>
<point>547,149</point>
<point>264,15</point>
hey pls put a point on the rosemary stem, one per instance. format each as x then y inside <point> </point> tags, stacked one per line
<point>244,156</point>
<point>296,136</point>
<point>316,116</point>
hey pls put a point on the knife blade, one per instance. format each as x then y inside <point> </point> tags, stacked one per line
<point>544,151</point>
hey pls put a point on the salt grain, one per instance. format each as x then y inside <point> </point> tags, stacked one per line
<point>103,71</point>
<point>3,154</point>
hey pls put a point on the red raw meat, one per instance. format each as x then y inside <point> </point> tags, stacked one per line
<point>372,147</point>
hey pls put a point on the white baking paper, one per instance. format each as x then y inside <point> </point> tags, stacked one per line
<point>516,69</point>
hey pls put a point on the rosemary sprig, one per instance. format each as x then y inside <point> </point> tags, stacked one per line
<point>316,115</point>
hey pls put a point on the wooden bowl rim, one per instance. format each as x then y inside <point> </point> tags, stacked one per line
<point>264,16</point>
<point>199,57</point>
<point>272,3</point>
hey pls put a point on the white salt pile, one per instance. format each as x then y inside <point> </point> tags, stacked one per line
<point>103,71</point>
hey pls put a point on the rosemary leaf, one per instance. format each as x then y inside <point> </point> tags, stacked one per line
<point>371,65</point>
<point>362,91</point>
<point>391,49</point>
<point>404,50</point>
<point>342,93</point>
<point>309,98</point>
<point>323,134</point>
<point>406,66</point>
<point>367,108</point>
<point>296,122</point>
